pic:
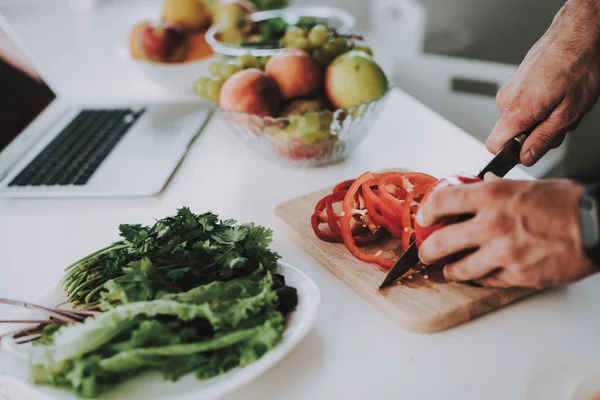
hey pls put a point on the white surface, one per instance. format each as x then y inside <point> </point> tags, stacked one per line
<point>355,351</point>
<point>146,386</point>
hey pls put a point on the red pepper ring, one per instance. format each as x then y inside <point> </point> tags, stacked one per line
<point>379,212</point>
<point>347,236</point>
<point>394,203</point>
<point>329,202</point>
<point>407,216</point>
<point>326,236</point>
<point>343,186</point>
<point>334,224</point>
<point>320,217</point>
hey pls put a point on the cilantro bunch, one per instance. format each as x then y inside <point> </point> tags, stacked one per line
<point>175,254</point>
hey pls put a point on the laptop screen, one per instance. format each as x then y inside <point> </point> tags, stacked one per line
<point>23,93</point>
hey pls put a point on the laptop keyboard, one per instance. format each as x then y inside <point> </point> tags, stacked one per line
<point>76,153</point>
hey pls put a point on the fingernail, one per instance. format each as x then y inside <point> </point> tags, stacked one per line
<point>446,273</point>
<point>529,158</point>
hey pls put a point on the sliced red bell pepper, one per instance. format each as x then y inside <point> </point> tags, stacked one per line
<point>343,186</point>
<point>371,235</point>
<point>349,213</point>
<point>320,217</point>
<point>379,212</point>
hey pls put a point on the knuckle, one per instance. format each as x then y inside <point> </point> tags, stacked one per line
<point>538,111</point>
<point>544,140</point>
<point>567,116</point>
<point>511,105</point>
<point>495,191</point>
<point>502,96</point>
<point>501,224</point>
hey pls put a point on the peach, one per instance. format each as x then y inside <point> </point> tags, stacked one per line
<point>251,91</point>
<point>296,73</point>
<point>164,43</point>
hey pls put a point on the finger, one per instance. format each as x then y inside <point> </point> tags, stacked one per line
<point>471,268</point>
<point>518,116</point>
<point>450,201</point>
<point>491,177</point>
<point>495,279</point>
<point>450,240</point>
<point>547,135</point>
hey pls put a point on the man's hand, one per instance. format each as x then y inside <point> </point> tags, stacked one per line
<point>523,233</point>
<point>555,85</point>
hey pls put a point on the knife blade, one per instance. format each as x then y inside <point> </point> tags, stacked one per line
<point>501,164</point>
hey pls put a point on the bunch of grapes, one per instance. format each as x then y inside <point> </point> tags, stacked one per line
<point>323,44</point>
<point>210,87</point>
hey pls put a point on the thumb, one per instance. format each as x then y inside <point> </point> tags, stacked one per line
<point>491,177</point>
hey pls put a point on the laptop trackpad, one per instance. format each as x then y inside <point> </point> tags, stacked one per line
<point>148,154</point>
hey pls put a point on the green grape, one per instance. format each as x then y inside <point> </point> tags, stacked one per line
<point>301,44</point>
<point>293,33</point>
<point>322,57</point>
<point>318,35</point>
<point>262,61</point>
<point>326,120</point>
<point>227,70</point>
<point>213,88</point>
<point>248,61</point>
<point>200,86</point>
<point>336,46</point>
<point>311,123</point>
<point>215,69</point>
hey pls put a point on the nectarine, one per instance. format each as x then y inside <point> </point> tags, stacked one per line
<point>251,91</point>
<point>164,43</point>
<point>296,73</point>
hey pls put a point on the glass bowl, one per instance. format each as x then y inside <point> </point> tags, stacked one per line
<point>311,139</point>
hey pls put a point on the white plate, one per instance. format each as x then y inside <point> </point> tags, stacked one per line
<point>151,385</point>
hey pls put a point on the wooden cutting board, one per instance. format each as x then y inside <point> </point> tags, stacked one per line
<point>421,301</point>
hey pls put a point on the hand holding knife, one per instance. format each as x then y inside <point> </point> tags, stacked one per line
<point>500,165</point>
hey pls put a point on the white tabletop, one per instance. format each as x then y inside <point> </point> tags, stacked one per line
<point>533,349</point>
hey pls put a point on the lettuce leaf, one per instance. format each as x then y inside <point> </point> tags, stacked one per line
<point>209,329</point>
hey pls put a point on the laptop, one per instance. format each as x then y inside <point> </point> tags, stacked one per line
<point>51,147</point>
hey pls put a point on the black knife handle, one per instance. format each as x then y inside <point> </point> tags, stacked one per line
<point>508,157</point>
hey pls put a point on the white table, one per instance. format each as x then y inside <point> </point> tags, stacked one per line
<point>355,351</point>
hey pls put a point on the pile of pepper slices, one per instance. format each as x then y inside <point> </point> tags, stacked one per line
<point>372,205</point>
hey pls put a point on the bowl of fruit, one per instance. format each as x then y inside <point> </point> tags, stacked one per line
<point>172,50</point>
<point>308,100</point>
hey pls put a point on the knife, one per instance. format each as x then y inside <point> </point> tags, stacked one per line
<point>500,165</point>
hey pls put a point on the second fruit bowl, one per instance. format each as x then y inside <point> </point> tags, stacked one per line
<point>312,139</point>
